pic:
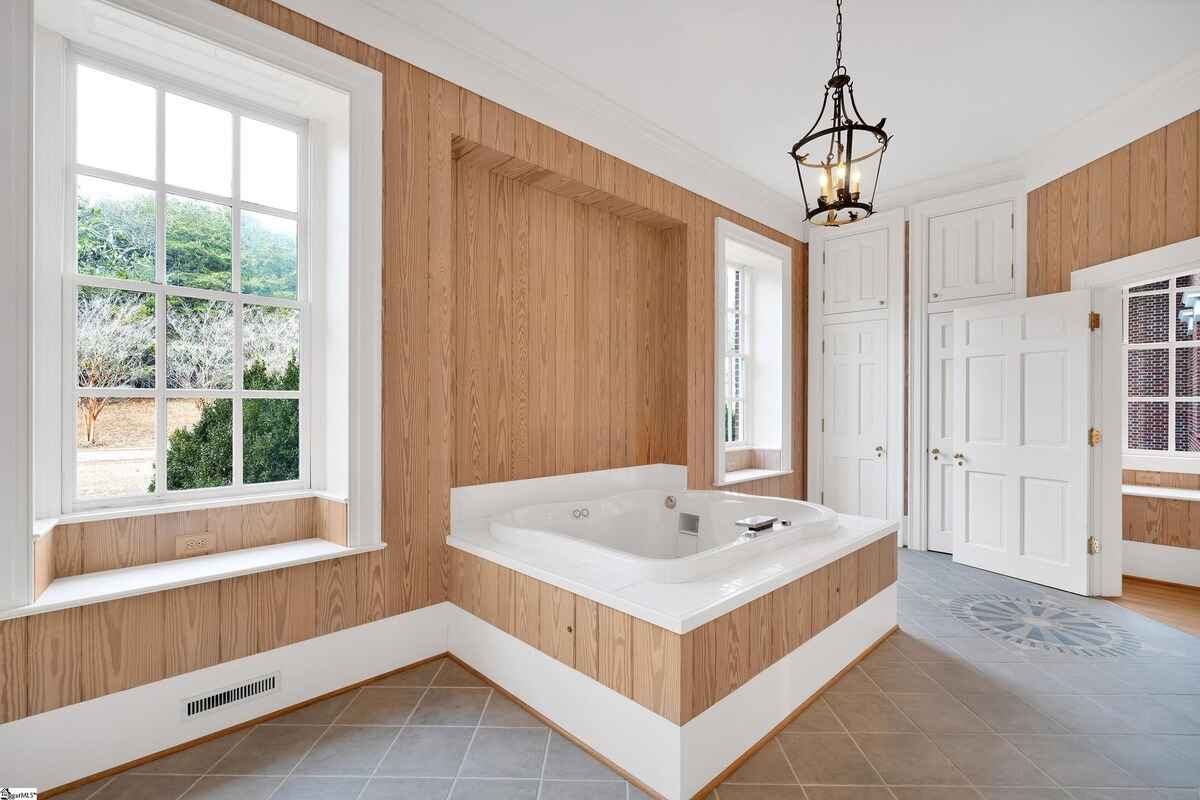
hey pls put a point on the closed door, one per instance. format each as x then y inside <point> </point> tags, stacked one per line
<point>1021,415</point>
<point>940,427</point>
<point>971,253</point>
<point>854,441</point>
<point>856,274</point>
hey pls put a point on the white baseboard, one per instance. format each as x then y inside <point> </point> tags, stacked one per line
<point>1161,563</point>
<point>83,739</point>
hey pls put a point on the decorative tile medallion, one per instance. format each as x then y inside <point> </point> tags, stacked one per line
<point>1043,625</point>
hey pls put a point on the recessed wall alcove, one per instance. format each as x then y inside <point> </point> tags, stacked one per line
<point>569,333</point>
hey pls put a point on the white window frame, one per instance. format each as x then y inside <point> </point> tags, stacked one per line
<point>72,280</point>
<point>742,353</point>
<point>1171,459</point>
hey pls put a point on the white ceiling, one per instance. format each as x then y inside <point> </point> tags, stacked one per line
<point>962,84</point>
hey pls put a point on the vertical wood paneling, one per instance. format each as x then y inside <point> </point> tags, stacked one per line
<point>616,650</point>
<point>115,543</point>
<point>43,562</point>
<point>191,628</point>
<point>1119,198</point>
<point>372,590</point>
<point>14,666</point>
<point>123,644</point>
<point>1148,184</point>
<point>759,633</point>
<point>848,567</point>
<point>1099,210</point>
<point>239,617</point>
<point>337,596</point>
<point>868,573</point>
<point>819,581</point>
<point>68,550</point>
<point>527,602</point>
<point>557,635</point>
<point>169,526</point>
<point>1074,224</point>
<point>55,659</point>
<point>657,669</point>
<point>287,606</point>
<point>269,523</point>
<point>225,527</point>
<point>1052,271</point>
<point>587,637</point>
<point>1182,175</point>
<point>1035,242</point>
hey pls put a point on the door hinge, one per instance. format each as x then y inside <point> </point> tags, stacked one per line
<point>1093,545</point>
<point>1094,321</point>
<point>1093,437</point>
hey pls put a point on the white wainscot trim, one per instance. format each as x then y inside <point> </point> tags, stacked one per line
<point>77,741</point>
<point>674,761</point>
<point>1161,563</point>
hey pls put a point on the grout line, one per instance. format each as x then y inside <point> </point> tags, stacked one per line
<point>471,743</point>
<point>100,785</point>
<point>546,759</point>
<point>396,738</point>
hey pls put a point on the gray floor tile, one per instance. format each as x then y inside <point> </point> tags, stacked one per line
<point>869,713</point>
<point>84,792</point>
<point>348,750</point>
<point>1186,746</point>
<point>309,788</point>
<point>939,713</point>
<point>730,791</point>
<point>1150,758</point>
<point>1071,762</point>
<point>828,758</point>
<point>145,787</point>
<point>854,681</point>
<point>1023,678</point>
<point>504,713</point>
<point>990,760</point>
<point>901,678</point>
<point>476,789</point>
<point>768,765</point>
<point>936,793</point>
<point>407,789</point>
<point>847,793</point>
<point>506,753</point>
<point>566,761</point>
<point>886,653</point>
<point>909,759</point>
<point>918,649</point>
<point>1080,713</point>
<point>1087,678</point>
<point>427,752</point>
<point>1146,714</point>
<point>1007,713</point>
<point>453,674</point>
<point>322,712</point>
<point>976,649</point>
<point>1133,794</point>
<point>196,760</point>
<point>420,676</point>
<point>450,707</point>
<point>232,787</point>
<point>959,677</point>
<point>817,718</point>
<point>583,790</point>
<point>1021,793</point>
<point>380,705</point>
<point>269,750</point>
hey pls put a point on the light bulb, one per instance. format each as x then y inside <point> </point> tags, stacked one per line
<point>855,179</point>
<point>825,185</point>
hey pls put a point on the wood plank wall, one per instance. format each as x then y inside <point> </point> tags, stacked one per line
<point>423,114</point>
<point>83,547</point>
<point>1158,520</point>
<point>1138,197</point>
<point>569,334</point>
<point>675,676</point>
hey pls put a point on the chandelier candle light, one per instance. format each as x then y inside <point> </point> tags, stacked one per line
<point>837,165</point>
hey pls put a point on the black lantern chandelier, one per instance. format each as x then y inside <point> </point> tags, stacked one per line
<point>838,151</point>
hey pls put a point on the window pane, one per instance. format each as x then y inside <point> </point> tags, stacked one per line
<point>114,229</point>
<point>115,335</point>
<point>1188,280</point>
<point>1187,427</point>
<point>199,443</point>
<point>1147,374</point>
<point>199,244</point>
<point>271,347</point>
<point>733,331</point>
<point>1147,426</point>
<point>268,255</point>
<point>199,146</point>
<point>270,440</point>
<point>115,446</point>
<point>124,141</point>
<point>1149,317</point>
<point>268,165</point>
<point>733,421</point>
<point>1149,287</point>
<point>738,387</point>
<point>1182,334</point>
<point>1187,372</point>
<point>199,344</point>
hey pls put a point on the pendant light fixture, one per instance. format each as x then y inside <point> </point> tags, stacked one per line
<point>839,152</point>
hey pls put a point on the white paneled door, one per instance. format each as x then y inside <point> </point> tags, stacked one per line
<point>856,272</point>
<point>971,253</point>
<point>940,465</point>
<point>1021,459</point>
<point>855,417</point>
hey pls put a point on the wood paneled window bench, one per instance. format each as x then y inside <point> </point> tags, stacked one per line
<point>672,683</point>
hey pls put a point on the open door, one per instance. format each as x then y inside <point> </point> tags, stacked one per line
<point>1022,411</point>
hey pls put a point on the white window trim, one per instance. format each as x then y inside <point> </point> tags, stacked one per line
<point>1169,460</point>
<point>72,280</point>
<point>725,230</point>
<point>745,438</point>
<point>362,157</point>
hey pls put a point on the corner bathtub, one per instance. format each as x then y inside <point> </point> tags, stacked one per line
<point>656,536</point>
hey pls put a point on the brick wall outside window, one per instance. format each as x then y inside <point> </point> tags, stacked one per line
<point>1159,345</point>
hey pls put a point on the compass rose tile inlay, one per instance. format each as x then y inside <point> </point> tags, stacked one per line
<point>1044,624</point>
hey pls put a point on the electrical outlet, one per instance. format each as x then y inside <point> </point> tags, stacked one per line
<point>195,544</point>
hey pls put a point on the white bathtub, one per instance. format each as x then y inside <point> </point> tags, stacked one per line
<point>652,535</point>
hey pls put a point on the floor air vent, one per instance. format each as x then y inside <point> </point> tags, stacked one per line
<point>202,704</point>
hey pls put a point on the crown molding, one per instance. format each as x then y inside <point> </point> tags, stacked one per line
<point>436,40</point>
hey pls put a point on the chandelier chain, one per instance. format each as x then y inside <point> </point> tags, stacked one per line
<point>837,65</point>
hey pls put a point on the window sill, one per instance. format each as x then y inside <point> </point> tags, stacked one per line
<point>1160,492</point>
<point>98,587</point>
<point>747,475</point>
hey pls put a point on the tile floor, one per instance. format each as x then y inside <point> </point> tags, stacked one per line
<point>1069,699</point>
